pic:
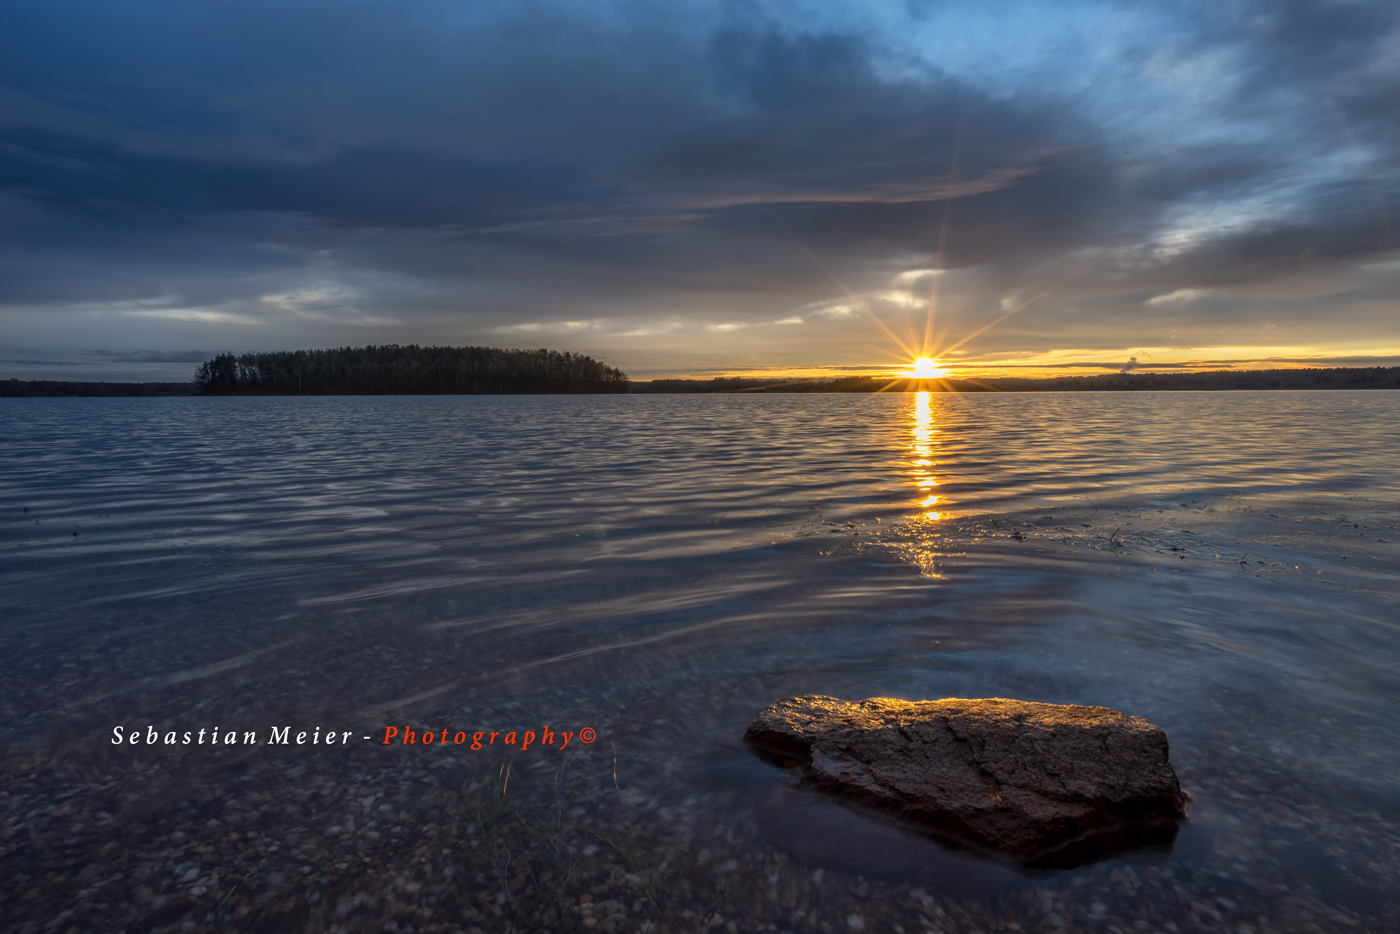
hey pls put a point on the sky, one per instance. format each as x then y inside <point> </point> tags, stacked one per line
<point>705,188</point>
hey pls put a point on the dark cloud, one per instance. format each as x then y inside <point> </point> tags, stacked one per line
<point>1336,224</point>
<point>155,356</point>
<point>371,185</point>
<point>1299,41</point>
<point>464,169</point>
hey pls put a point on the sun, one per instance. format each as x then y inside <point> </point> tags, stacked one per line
<point>926,368</point>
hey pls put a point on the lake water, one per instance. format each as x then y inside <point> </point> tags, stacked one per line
<point>657,569</point>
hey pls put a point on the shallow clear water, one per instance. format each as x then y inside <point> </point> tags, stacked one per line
<point>658,569</point>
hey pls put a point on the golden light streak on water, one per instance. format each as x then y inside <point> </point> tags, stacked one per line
<point>923,432</point>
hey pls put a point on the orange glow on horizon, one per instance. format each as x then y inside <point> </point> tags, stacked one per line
<point>1048,365</point>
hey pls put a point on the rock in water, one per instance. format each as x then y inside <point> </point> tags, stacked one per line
<point>1016,777</point>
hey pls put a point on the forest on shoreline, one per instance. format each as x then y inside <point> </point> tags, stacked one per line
<point>576,373</point>
<point>394,369</point>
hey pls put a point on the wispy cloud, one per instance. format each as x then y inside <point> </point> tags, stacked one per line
<point>1180,297</point>
<point>155,356</point>
<point>549,327</point>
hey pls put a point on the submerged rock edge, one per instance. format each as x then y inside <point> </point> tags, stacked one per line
<point>1017,777</point>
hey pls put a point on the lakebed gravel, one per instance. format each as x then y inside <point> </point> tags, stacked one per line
<point>666,823</point>
<point>627,837</point>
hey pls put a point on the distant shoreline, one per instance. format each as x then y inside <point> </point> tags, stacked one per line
<point>1222,380</point>
<point>1217,380</point>
<point>13,388</point>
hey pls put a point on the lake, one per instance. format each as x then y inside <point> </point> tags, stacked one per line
<point>652,571</point>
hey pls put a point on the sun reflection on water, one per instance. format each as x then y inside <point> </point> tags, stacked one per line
<point>923,431</point>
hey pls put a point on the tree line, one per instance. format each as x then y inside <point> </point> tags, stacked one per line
<point>394,369</point>
<point>61,387</point>
<point>1314,378</point>
<point>718,384</point>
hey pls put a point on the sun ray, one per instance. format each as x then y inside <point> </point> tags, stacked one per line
<point>938,263</point>
<point>856,299</point>
<point>1021,307</point>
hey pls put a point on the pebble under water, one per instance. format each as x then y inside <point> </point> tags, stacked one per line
<point>656,570</point>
